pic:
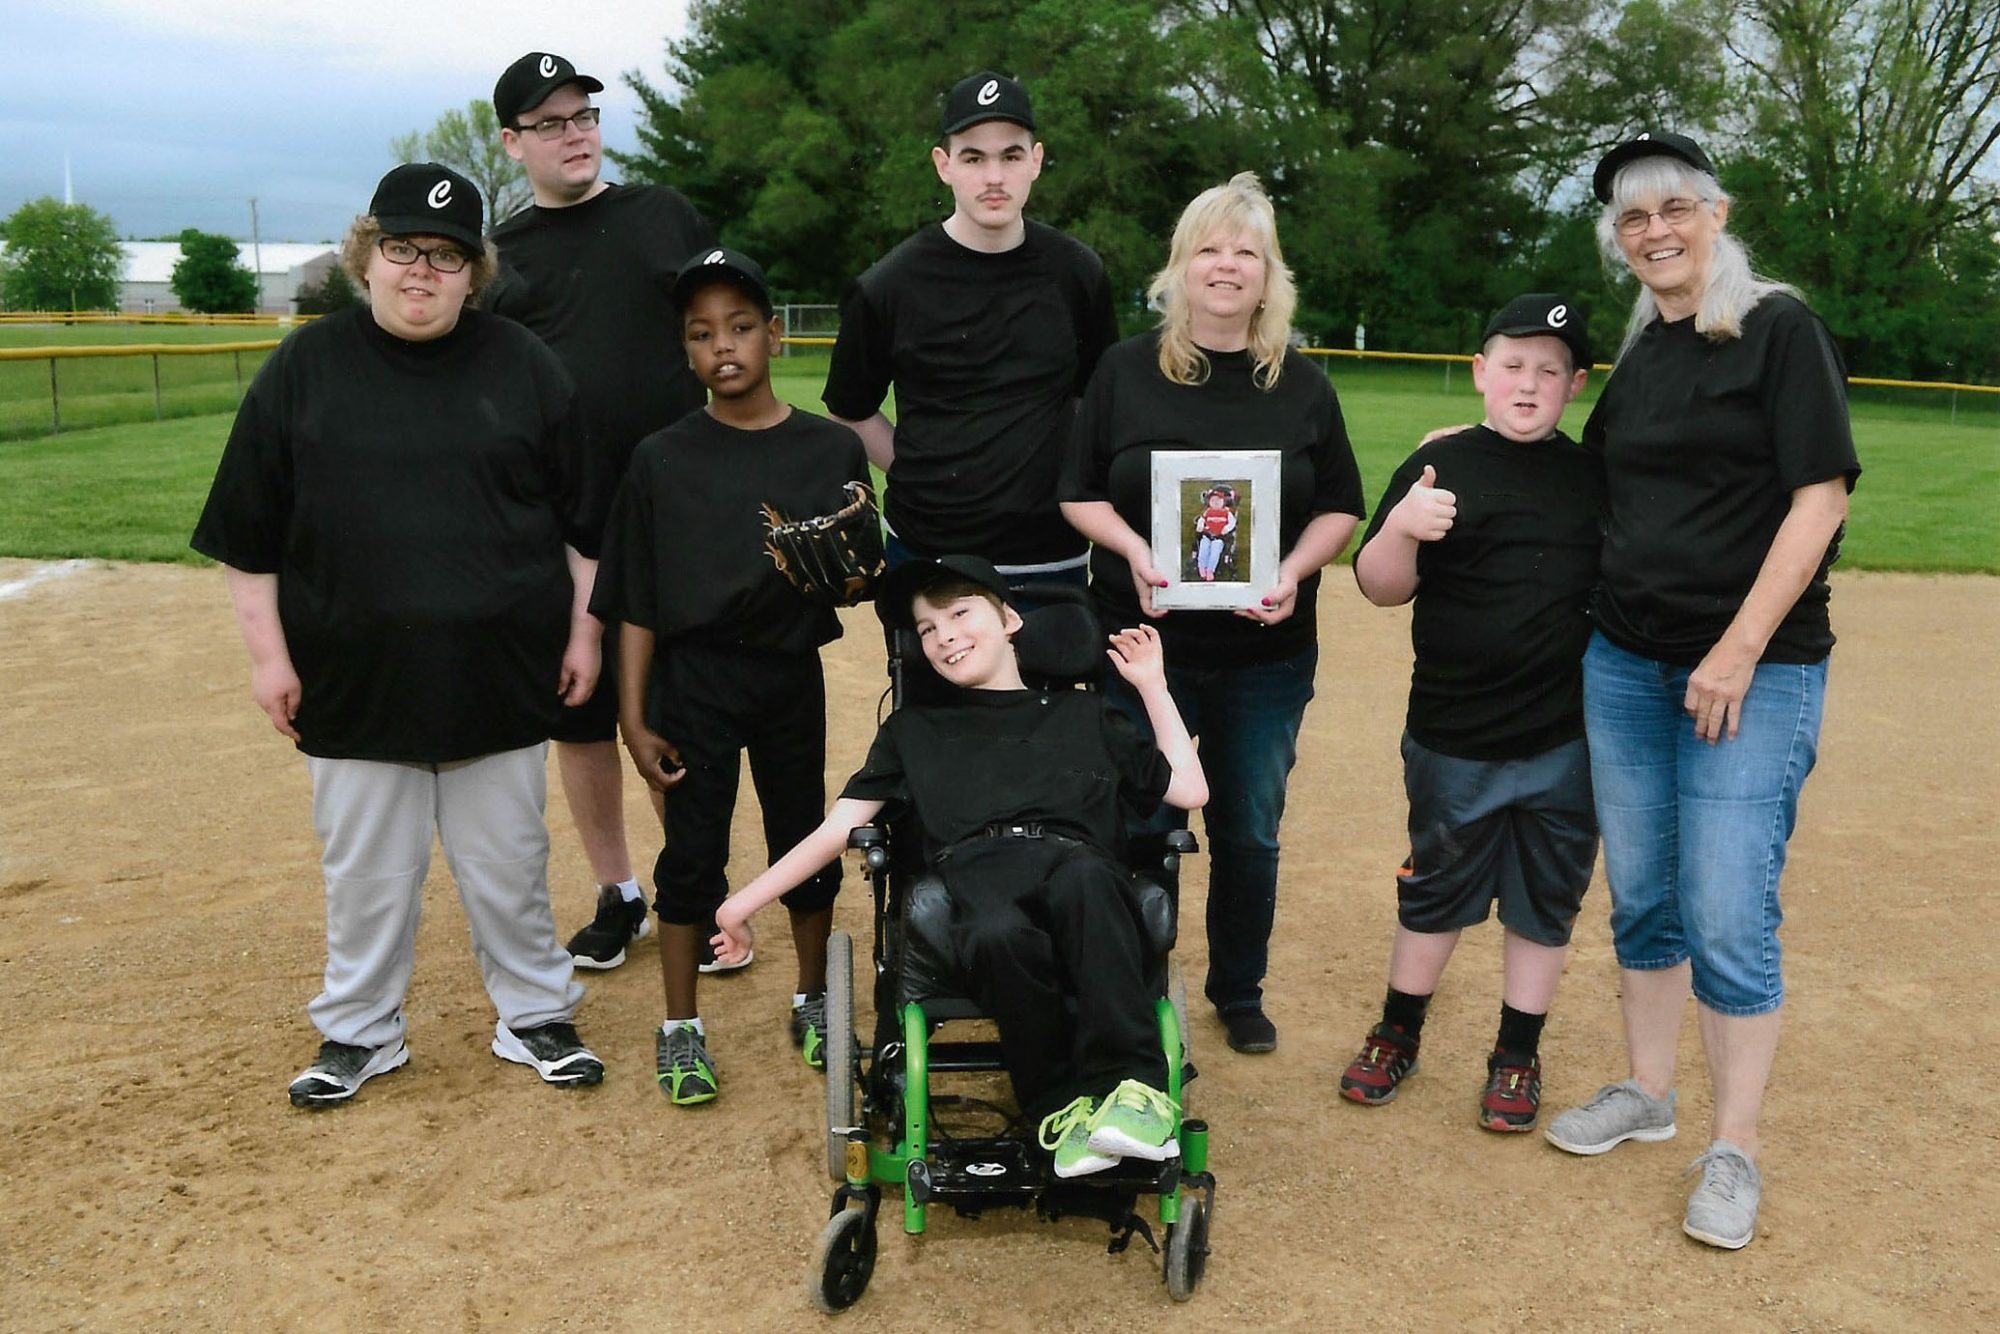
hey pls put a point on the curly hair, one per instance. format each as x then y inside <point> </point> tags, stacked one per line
<point>1239,206</point>
<point>361,240</point>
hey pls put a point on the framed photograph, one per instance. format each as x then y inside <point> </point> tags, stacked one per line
<point>1215,527</point>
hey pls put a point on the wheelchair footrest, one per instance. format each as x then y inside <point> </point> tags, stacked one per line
<point>964,1168</point>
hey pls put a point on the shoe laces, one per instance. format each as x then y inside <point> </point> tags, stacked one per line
<point>685,1047</point>
<point>1142,1098</point>
<point>1724,1170</point>
<point>1058,1124</point>
<point>811,1012</point>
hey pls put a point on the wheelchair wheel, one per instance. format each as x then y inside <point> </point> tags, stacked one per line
<point>843,1261</point>
<point>841,1103</point>
<point>1187,1248</point>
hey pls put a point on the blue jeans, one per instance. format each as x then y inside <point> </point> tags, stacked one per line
<point>1694,833</point>
<point>1247,721</point>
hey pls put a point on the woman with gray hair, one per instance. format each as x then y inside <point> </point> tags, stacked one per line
<point>1728,460</point>
<point>1219,374</point>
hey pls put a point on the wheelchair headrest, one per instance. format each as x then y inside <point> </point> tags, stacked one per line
<point>1060,645</point>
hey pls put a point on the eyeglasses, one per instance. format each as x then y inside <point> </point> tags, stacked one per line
<point>444,258</point>
<point>1674,212</point>
<point>554,127</point>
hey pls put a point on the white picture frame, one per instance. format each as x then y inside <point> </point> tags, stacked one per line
<point>1215,527</point>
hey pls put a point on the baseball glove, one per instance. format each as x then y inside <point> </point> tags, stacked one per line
<point>831,558</point>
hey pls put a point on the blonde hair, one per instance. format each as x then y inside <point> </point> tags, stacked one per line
<point>361,240</point>
<point>1239,206</point>
<point>1731,289</point>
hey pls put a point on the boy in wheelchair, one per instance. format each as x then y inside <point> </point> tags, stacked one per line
<point>1022,796</point>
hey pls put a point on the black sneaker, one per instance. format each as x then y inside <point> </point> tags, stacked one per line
<point>341,1069</point>
<point>618,923</point>
<point>808,1028</point>
<point>554,1050</point>
<point>1249,1030</point>
<point>706,962</point>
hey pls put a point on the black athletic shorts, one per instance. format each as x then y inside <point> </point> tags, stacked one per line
<point>1523,832</point>
<point>596,719</point>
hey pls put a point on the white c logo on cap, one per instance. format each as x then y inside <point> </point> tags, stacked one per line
<point>989,93</point>
<point>1558,316</point>
<point>548,67</point>
<point>440,194</point>
<point>712,257</point>
<point>1645,136</point>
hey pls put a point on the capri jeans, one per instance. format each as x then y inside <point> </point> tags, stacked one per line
<point>1695,833</point>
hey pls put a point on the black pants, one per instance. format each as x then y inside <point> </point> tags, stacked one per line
<point>715,705</point>
<point>1037,922</point>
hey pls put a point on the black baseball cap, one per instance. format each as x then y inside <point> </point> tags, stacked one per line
<point>1650,143</point>
<point>429,199</point>
<point>719,264</point>
<point>529,81</point>
<point>982,97</point>
<point>898,588</point>
<point>1547,314</point>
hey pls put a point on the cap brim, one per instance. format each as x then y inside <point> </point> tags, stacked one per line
<point>965,123</point>
<point>413,224</point>
<point>539,94</point>
<point>709,274</point>
<point>1609,164</point>
<point>897,589</point>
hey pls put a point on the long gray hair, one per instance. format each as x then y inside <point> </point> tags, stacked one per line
<point>1732,288</point>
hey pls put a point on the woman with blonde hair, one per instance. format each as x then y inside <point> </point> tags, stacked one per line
<point>1219,374</point>
<point>1728,460</point>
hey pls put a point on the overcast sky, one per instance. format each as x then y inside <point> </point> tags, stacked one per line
<point>174,113</point>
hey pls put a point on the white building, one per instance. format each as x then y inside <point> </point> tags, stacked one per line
<point>145,285</point>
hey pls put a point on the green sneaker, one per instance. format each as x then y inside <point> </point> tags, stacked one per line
<point>808,1029</point>
<point>685,1072</point>
<point>1066,1134</point>
<point>1136,1121</point>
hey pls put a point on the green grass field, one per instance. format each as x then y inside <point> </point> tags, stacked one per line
<point>1929,499</point>
<point>108,391</point>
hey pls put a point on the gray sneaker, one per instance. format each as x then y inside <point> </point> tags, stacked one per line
<point>1723,1209</point>
<point>1614,1114</point>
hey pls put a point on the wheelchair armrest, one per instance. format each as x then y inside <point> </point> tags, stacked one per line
<point>873,843</point>
<point>1182,841</point>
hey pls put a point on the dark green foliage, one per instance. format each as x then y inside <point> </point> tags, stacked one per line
<point>59,257</point>
<point>209,279</point>
<point>334,292</point>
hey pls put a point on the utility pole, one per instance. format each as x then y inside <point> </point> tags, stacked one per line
<point>257,255</point>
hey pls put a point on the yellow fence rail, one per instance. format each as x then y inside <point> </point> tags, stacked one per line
<point>152,317</point>
<point>56,355</point>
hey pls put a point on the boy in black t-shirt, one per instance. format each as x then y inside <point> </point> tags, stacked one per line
<point>988,326</point>
<point>1022,795</point>
<point>1501,565</point>
<point>720,655</point>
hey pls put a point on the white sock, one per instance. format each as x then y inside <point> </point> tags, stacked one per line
<point>798,999</point>
<point>630,890</point>
<point>671,1024</point>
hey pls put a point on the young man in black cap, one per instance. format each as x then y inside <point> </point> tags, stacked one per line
<point>588,266</point>
<point>403,494</point>
<point>988,326</point>
<point>1494,531</point>
<point>721,653</point>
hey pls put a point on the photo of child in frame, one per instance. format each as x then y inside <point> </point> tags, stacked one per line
<point>1221,507</point>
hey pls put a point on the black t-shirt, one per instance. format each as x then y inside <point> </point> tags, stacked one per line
<point>1703,444</point>
<point>1503,603</point>
<point>988,353</point>
<point>413,500</point>
<point>595,281</point>
<point>1130,411</point>
<point>1065,759</point>
<point>684,551</point>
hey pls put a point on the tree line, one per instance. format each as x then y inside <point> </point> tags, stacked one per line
<point>1428,156</point>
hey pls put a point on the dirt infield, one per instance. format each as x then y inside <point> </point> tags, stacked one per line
<point>161,928</point>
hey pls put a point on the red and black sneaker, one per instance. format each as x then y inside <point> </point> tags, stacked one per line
<point>1513,1096</point>
<point>1386,1058</point>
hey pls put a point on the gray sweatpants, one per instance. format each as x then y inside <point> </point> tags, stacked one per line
<point>376,821</point>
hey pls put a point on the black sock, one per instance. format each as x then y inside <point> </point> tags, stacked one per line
<point>1520,1033</point>
<point>1405,1011</point>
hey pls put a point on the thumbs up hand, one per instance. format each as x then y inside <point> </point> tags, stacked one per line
<point>1426,513</point>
